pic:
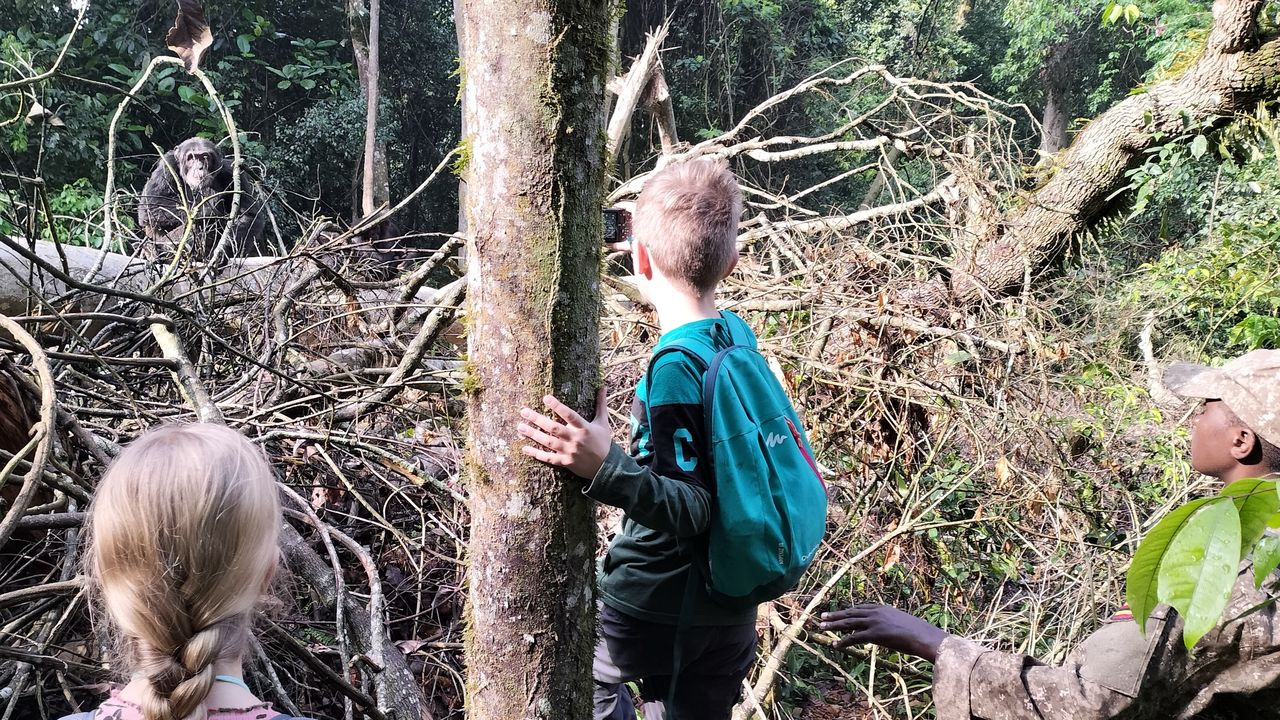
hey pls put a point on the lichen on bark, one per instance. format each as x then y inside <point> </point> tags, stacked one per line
<point>533,109</point>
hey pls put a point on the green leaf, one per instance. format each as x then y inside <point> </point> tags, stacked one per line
<point>186,92</point>
<point>1142,584</point>
<point>1132,13</point>
<point>1199,146</point>
<point>957,357</point>
<point>1113,15</point>
<point>1257,502</point>
<point>1106,12</point>
<point>284,84</point>
<point>307,83</point>
<point>1200,568</point>
<point>1266,558</point>
<point>242,42</point>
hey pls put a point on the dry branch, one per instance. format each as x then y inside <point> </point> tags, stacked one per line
<point>42,434</point>
<point>630,89</point>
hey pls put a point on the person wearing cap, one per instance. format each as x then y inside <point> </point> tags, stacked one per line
<point>1119,672</point>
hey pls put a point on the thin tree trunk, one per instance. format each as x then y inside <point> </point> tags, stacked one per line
<point>660,104</point>
<point>375,185</point>
<point>1235,71</point>
<point>462,130</point>
<point>533,106</point>
<point>372,72</point>
<point>1053,122</point>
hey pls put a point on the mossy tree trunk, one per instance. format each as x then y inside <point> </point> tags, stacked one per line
<point>533,75</point>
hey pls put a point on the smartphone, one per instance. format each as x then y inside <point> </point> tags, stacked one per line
<point>617,225</point>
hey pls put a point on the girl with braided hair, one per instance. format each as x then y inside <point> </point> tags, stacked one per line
<point>184,530</point>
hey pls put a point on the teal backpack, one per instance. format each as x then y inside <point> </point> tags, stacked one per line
<point>769,510</point>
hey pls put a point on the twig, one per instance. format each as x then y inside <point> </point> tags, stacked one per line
<point>431,329</point>
<point>185,373</point>
<point>42,433</point>
<point>367,704</point>
<point>15,597</point>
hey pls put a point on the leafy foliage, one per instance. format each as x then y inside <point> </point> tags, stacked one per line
<point>1143,591</point>
<point>282,68</point>
<point>1190,559</point>
<point>1199,568</point>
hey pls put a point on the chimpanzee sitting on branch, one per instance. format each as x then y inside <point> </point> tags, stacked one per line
<point>192,184</point>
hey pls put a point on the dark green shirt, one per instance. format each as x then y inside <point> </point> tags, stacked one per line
<point>665,486</point>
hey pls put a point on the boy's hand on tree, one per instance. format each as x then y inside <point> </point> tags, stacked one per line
<point>575,444</point>
<point>885,626</point>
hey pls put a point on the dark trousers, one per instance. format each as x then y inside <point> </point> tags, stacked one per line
<point>715,660</point>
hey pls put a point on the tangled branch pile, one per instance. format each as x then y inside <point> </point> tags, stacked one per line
<point>961,480</point>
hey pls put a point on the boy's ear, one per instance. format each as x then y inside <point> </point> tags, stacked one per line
<point>643,263</point>
<point>732,264</point>
<point>1243,442</point>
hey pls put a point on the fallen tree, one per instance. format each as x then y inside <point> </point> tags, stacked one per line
<point>1236,70</point>
<point>969,138</point>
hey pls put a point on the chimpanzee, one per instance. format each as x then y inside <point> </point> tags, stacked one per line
<point>193,182</point>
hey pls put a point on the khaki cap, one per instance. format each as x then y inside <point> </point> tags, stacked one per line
<point>1249,385</point>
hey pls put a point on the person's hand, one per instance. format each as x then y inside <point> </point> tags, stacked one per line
<point>624,246</point>
<point>885,626</point>
<point>575,444</point>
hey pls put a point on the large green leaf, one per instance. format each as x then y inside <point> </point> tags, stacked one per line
<point>1274,522</point>
<point>1266,557</point>
<point>1141,586</point>
<point>1257,502</point>
<point>1200,568</point>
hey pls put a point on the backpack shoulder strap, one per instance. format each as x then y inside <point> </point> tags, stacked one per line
<point>738,330</point>
<point>683,348</point>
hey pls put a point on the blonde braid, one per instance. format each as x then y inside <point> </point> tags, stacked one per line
<point>179,682</point>
<point>183,538</point>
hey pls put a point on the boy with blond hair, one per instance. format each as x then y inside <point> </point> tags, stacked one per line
<point>686,224</point>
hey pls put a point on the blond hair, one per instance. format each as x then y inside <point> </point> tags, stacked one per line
<point>687,216</point>
<point>184,530</point>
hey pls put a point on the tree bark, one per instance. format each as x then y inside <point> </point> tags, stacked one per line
<point>533,107</point>
<point>1053,122</point>
<point>1236,70</point>
<point>462,130</point>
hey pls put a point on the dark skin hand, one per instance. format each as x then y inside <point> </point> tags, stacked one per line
<point>887,627</point>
